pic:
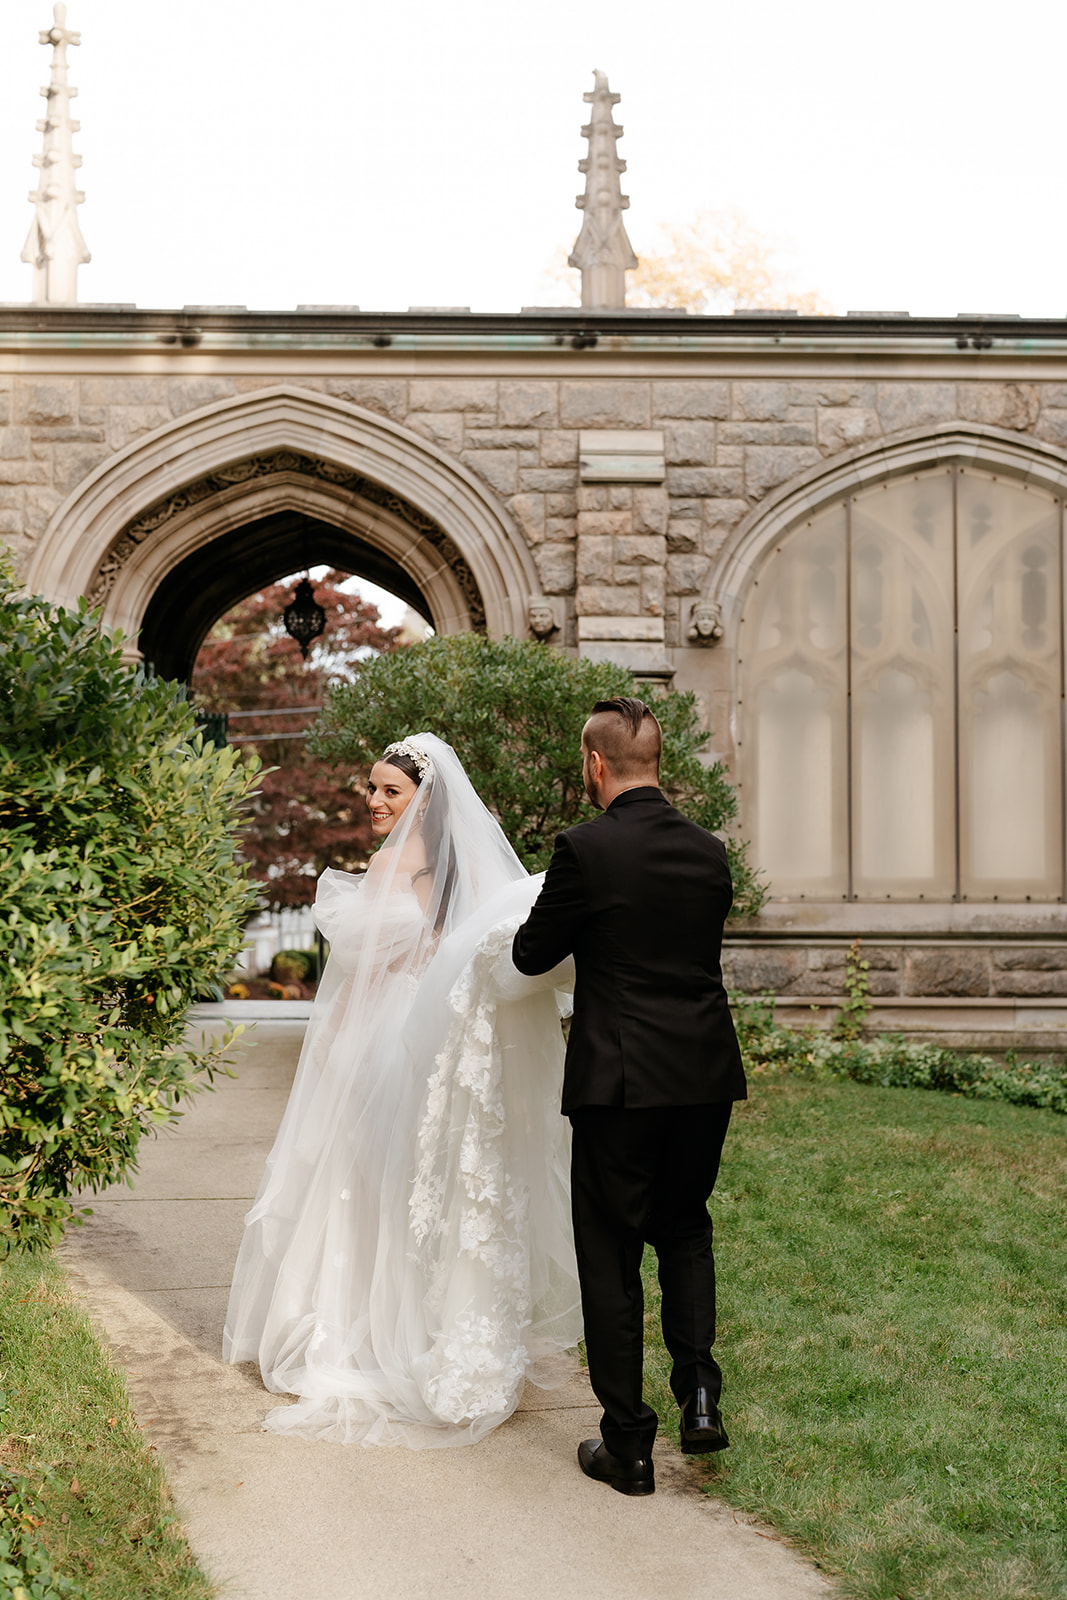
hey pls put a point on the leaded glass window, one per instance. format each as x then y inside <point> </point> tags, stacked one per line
<point>901,687</point>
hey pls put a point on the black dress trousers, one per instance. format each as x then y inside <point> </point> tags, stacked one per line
<point>644,1176</point>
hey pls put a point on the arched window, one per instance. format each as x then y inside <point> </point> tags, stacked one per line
<point>901,692</point>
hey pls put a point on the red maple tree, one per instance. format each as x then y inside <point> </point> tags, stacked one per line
<point>306,815</point>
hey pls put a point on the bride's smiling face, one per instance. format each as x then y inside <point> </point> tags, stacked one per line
<point>389,793</point>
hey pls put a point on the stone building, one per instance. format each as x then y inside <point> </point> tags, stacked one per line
<point>845,534</point>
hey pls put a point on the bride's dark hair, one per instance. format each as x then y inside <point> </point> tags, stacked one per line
<point>397,758</point>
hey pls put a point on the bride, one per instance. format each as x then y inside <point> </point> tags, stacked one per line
<point>408,1260</point>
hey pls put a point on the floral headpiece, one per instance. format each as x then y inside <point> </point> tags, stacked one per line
<point>414,752</point>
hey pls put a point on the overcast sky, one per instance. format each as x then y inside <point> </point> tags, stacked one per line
<point>909,157</point>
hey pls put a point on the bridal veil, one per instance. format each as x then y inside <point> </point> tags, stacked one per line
<point>408,1262</point>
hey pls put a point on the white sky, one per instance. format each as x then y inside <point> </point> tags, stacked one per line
<point>910,157</point>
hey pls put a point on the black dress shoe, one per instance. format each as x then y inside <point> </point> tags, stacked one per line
<point>702,1429</point>
<point>629,1477</point>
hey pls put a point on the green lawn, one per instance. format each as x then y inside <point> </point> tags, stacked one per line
<point>893,1331</point>
<point>107,1520</point>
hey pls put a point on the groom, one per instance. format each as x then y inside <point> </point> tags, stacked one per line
<point>638,895</point>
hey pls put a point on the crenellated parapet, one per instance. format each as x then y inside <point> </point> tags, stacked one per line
<point>602,250</point>
<point>54,246</point>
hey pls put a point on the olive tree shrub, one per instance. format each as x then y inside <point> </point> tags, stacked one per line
<point>121,899</point>
<point>513,711</point>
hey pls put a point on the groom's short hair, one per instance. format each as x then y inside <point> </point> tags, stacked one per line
<point>628,737</point>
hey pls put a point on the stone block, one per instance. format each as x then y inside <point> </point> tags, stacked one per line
<point>626,577</point>
<point>442,428</point>
<point>843,427</point>
<point>40,507</point>
<point>126,423</point>
<point>6,390</point>
<point>832,392</point>
<point>106,391</point>
<point>561,505</point>
<point>767,466</point>
<point>649,629</point>
<point>529,405</point>
<point>720,515</point>
<point>947,972</point>
<point>653,590</point>
<point>697,398</point>
<point>604,403</point>
<point>458,394</point>
<point>68,435</point>
<point>591,499</point>
<point>682,537</point>
<point>1001,405</point>
<point>686,573</point>
<point>1024,958</point>
<point>188,394</point>
<point>560,529</point>
<point>545,480</point>
<point>641,550</point>
<point>92,416</point>
<point>10,523</point>
<point>620,497</point>
<point>1053,394</point>
<point>529,512</point>
<point>729,455</point>
<point>605,600</point>
<point>1052,426</point>
<point>595,559</point>
<point>54,401</point>
<point>498,468</point>
<point>683,509</point>
<point>1033,984</point>
<point>689,444</point>
<point>75,463</point>
<point>760,402</point>
<point>479,438</point>
<point>14,444</point>
<point>555,567</point>
<point>559,448</point>
<point>593,522</point>
<point>763,971</point>
<point>651,508</point>
<point>910,405</point>
<point>24,472</point>
<point>696,482</point>
<point>387,397</point>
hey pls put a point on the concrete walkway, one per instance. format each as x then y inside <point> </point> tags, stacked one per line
<point>271,1517</point>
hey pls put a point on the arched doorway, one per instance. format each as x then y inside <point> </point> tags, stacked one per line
<point>177,527</point>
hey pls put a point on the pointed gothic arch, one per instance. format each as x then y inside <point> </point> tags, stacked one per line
<point>207,506</point>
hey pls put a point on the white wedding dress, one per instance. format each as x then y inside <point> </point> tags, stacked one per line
<point>408,1261</point>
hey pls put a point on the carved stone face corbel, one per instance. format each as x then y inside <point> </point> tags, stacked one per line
<point>705,623</point>
<point>543,616</point>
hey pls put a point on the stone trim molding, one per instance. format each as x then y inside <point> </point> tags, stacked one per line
<point>976,444</point>
<point>231,450</point>
<point>284,467</point>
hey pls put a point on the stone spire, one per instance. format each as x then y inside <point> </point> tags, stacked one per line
<point>55,246</point>
<point>602,250</point>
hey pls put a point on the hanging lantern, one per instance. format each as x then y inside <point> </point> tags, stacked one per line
<point>304,618</point>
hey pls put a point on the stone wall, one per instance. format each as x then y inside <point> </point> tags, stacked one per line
<point>956,970</point>
<point>610,551</point>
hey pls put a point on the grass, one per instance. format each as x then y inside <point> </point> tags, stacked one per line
<point>893,1331</point>
<point>107,1521</point>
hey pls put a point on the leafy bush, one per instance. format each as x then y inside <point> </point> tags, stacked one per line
<point>513,711</point>
<point>26,1570</point>
<point>294,966</point>
<point>121,899</point>
<point>890,1061</point>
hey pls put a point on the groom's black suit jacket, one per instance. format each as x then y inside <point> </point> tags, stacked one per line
<point>638,896</point>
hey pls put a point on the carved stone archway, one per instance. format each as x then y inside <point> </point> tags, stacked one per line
<point>419,520</point>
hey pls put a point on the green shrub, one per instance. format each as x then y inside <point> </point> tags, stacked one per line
<point>891,1062</point>
<point>293,966</point>
<point>26,1570</point>
<point>513,711</point>
<point>121,899</point>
